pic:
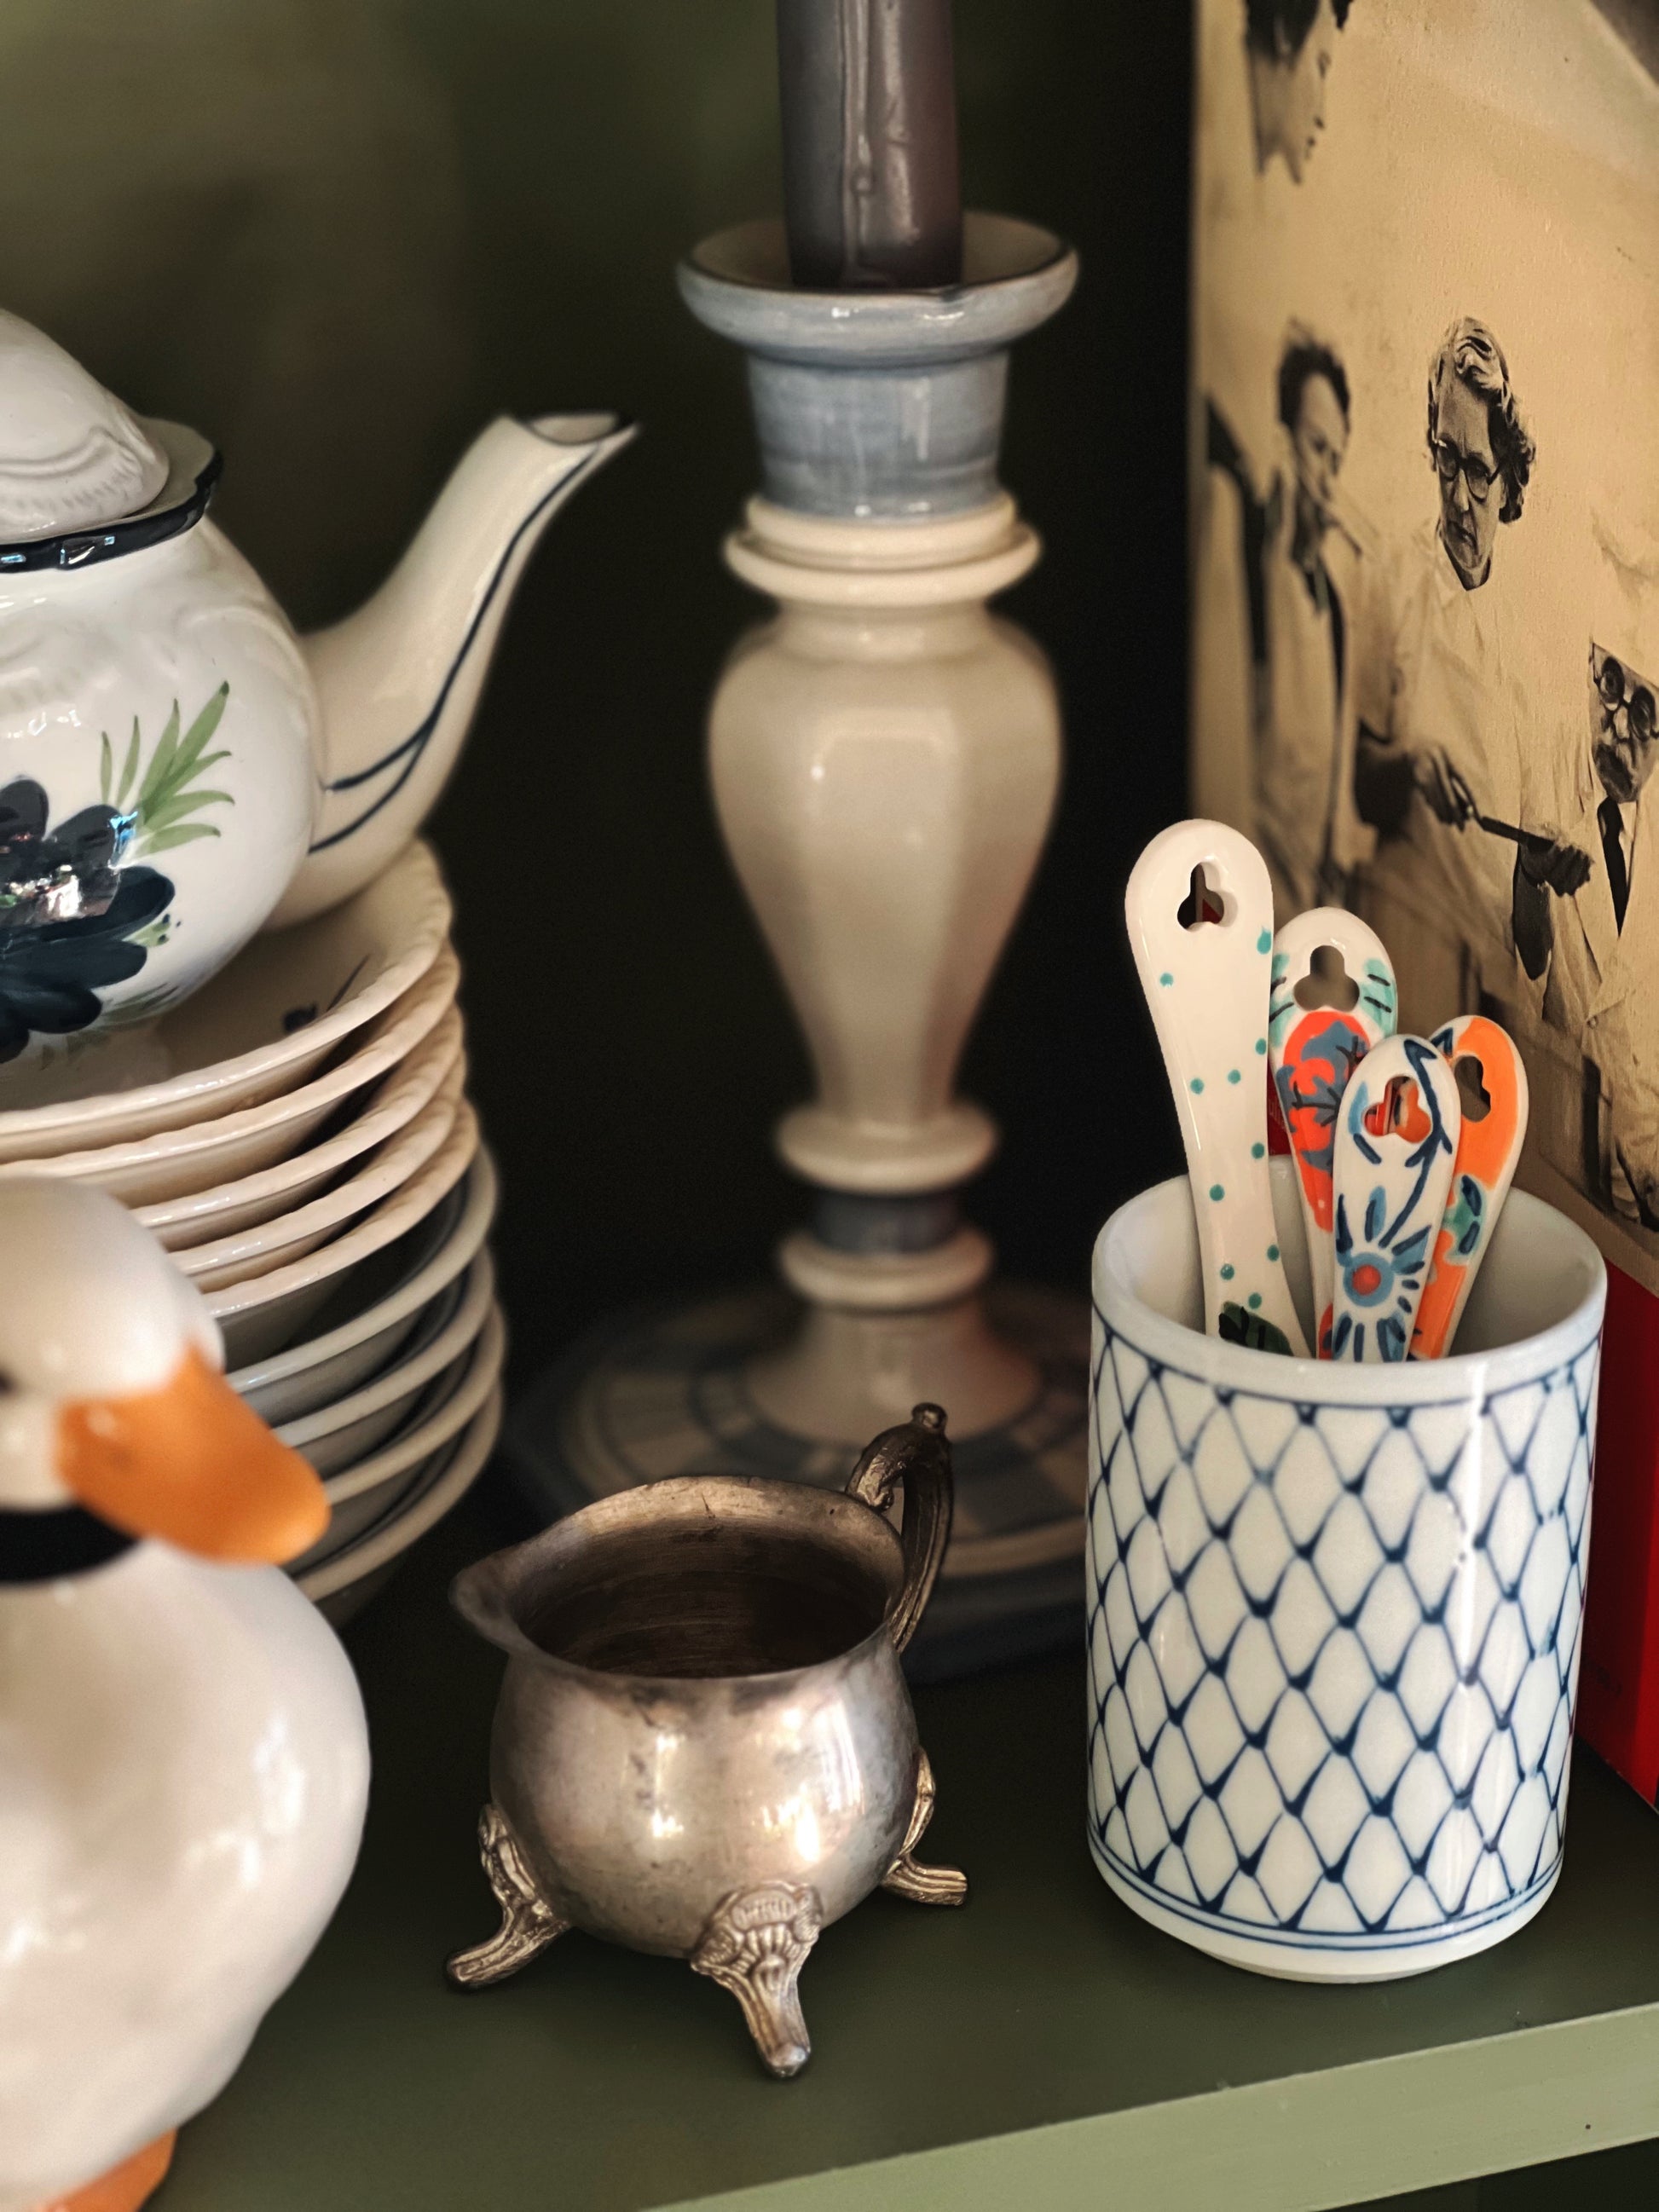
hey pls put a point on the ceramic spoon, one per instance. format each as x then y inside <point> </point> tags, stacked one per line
<point>1396,1137</point>
<point>1312,1051</point>
<point>1488,1149</point>
<point>1205,980</point>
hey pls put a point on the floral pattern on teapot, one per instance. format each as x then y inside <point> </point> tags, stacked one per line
<point>78,912</point>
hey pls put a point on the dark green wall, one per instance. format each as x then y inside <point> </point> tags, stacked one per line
<point>338,234</point>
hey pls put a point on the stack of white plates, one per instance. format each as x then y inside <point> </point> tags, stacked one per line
<point>298,1137</point>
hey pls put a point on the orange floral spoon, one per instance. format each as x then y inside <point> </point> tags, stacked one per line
<point>1493,1083</point>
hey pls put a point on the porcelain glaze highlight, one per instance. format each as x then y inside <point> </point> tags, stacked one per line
<point>1334,1611</point>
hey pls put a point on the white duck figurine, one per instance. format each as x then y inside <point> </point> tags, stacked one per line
<point>184,1762</point>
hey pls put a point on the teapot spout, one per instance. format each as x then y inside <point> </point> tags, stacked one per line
<point>397,682</point>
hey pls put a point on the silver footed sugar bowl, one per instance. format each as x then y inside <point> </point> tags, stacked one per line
<point>704,1745</point>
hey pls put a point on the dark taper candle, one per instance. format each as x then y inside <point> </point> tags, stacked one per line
<point>872,189</point>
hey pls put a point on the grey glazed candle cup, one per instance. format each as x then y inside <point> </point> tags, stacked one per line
<point>1334,1612</point>
<point>879,406</point>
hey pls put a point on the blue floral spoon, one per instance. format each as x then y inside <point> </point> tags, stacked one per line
<point>1313,1048</point>
<point>1396,1139</point>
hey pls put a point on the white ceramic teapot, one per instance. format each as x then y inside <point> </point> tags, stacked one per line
<point>176,766</point>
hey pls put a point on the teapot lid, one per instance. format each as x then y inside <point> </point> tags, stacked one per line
<point>72,457</point>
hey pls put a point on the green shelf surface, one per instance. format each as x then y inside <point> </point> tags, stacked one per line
<point>1041,2047</point>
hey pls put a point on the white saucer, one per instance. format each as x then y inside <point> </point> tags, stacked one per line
<point>361,1326</point>
<point>338,1436</point>
<point>345,1583</point>
<point>289,1237</point>
<point>177,1163</point>
<point>258,1027</point>
<point>261,1316</point>
<point>362,1495</point>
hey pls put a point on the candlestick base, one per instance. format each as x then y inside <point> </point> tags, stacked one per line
<point>671,1390</point>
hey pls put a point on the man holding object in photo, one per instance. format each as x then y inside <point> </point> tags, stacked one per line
<point>1317,589</point>
<point>1439,892</point>
<point>1586,917</point>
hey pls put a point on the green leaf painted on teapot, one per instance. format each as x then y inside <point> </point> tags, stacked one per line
<point>170,790</point>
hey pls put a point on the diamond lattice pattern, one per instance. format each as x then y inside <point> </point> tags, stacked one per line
<point>1334,1649</point>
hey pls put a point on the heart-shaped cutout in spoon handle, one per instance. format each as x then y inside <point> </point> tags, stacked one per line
<point>1396,1137</point>
<point>1200,913</point>
<point>1493,1096</point>
<point>1314,1047</point>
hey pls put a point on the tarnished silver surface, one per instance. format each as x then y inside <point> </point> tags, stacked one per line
<point>755,1945</point>
<point>704,1745</point>
<point>906,1877</point>
<point>529,1923</point>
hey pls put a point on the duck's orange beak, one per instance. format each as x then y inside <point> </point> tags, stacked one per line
<point>191,1464</point>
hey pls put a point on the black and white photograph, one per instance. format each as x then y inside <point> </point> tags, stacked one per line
<point>1425,523</point>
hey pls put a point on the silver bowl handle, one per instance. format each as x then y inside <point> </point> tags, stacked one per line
<point>917,1454</point>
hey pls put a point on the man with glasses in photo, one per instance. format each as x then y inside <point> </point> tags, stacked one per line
<point>1439,892</point>
<point>1586,917</point>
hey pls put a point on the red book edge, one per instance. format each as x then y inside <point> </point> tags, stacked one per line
<point>1619,1682</point>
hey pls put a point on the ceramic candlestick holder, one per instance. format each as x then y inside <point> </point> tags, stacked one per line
<point>885,755</point>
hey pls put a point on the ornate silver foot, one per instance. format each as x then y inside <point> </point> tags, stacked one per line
<point>529,1923</point>
<point>923,1885</point>
<point>755,1945</point>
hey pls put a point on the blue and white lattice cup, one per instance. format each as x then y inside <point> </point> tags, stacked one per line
<point>1334,1612</point>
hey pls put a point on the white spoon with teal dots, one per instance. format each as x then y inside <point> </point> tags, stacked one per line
<point>1201,919</point>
